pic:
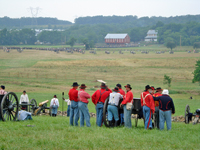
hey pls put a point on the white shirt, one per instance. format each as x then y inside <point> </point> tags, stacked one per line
<point>54,101</point>
<point>23,114</point>
<point>114,98</point>
<point>68,101</point>
<point>24,98</point>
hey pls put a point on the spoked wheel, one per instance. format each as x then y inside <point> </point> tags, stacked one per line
<point>187,111</point>
<point>32,106</point>
<point>105,113</point>
<point>9,107</point>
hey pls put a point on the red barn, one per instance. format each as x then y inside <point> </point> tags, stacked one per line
<point>118,39</point>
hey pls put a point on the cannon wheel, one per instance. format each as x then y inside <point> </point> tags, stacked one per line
<point>105,118</point>
<point>9,107</point>
<point>32,106</point>
<point>187,111</point>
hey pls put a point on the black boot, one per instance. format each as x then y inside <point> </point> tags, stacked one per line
<point>52,115</point>
<point>116,123</point>
<point>110,124</point>
<point>55,115</point>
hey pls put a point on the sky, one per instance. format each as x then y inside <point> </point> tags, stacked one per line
<point>71,9</point>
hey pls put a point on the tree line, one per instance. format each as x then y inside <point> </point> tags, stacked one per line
<point>188,33</point>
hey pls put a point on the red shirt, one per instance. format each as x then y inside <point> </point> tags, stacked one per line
<point>73,95</point>
<point>100,95</point>
<point>122,92</point>
<point>127,98</point>
<point>157,102</point>
<point>147,100</point>
<point>83,96</point>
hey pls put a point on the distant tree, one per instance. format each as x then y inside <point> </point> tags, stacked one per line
<point>197,72</point>
<point>71,41</point>
<point>159,24</point>
<point>86,43</point>
<point>171,45</point>
<point>167,80</point>
<point>196,45</point>
<point>91,43</point>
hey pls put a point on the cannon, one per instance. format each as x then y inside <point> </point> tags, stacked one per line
<point>191,116</point>
<point>137,110</point>
<point>9,107</point>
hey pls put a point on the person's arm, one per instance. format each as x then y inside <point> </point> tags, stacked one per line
<point>128,96</point>
<point>156,98</point>
<point>172,106</point>
<point>152,103</point>
<point>86,95</point>
<point>58,102</point>
<point>94,98</point>
<point>141,100</point>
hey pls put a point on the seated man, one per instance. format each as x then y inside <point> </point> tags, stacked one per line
<point>24,115</point>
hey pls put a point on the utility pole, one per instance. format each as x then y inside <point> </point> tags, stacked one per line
<point>34,13</point>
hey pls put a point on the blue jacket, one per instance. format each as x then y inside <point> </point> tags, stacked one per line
<point>165,103</point>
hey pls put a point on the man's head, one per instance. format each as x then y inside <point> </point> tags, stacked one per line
<point>128,87</point>
<point>103,86</point>
<point>75,85</point>
<point>3,87</point>
<point>148,88</point>
<point>159,90</point>
<point>116,89</point>
<point>153,89</point>
<point>83,86</point>
<point>24,92</point>
<point>119,86</point>
<point>55,96</point>
<point>165,92</point>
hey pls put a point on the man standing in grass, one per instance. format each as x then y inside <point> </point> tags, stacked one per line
<point>166,108</point>
<point>82,106</point>
<point>113,103</point>
<point>121,112</point>
<point>74,112</point>
<point>128,98</point>
<point>157,94</point>
<point>54,106</point>
<point>2,93</point>
<point>24,100</point>
<point>98,98</point>
<point>147,103</point>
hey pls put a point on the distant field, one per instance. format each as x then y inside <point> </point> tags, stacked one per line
<point>43,74</point>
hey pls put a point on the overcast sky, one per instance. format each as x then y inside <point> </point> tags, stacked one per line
<point>71,9</point>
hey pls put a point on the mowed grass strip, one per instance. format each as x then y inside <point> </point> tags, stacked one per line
<point>55,133</point>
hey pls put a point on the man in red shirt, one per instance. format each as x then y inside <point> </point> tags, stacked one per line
<point>147,103</point>
<point>98,98</point>
<point>74,112</point>
<point>121,112</point>
<point>82,106</point>
<point>128,98</point>
<point>157,94</point>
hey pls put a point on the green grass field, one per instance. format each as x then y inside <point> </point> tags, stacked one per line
<point>43,74</point>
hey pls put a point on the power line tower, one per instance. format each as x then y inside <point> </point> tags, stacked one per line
<point>34,13</point>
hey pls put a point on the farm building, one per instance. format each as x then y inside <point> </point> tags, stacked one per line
<point>151,35</point>
<point>117,39</point>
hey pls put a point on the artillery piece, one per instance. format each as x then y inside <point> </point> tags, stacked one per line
<point>9,107</point>
<point>189,115</point>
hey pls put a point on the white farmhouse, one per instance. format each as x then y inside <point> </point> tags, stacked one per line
<point>151,36</point>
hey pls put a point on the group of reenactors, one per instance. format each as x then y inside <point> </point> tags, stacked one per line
<point>153,101</point>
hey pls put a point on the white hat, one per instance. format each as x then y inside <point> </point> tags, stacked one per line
<point>165,92</point>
